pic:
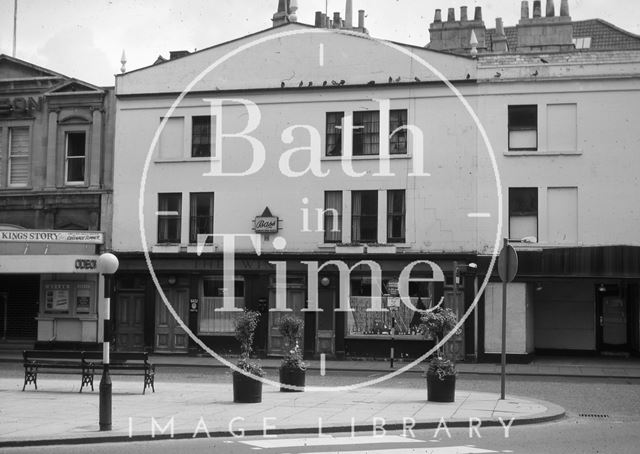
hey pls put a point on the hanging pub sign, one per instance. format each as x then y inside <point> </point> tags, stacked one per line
<point>266,222</point>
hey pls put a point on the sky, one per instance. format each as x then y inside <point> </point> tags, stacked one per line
<point>85,38</point>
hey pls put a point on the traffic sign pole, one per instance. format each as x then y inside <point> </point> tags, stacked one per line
<point>507,269</point>
<point>503,359</point>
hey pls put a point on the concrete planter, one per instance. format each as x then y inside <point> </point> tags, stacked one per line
<point>441,390</point>
<point>292,376</point>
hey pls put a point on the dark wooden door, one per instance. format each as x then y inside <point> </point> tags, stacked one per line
<point>170,337</point>
<point>295,300</point>
<point>130,322</point>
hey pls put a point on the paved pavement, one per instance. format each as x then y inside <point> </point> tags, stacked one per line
<point>58,413</point>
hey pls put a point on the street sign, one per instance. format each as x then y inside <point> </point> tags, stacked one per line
<point>507,263</point>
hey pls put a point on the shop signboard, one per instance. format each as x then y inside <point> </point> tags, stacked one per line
<point>51,236</point>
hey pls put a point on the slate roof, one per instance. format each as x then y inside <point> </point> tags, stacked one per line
<point>604,35</point>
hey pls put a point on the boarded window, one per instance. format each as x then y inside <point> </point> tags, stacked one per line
<point>562,127</point>
<point>562,206</point>
<point>523,128</point>
<point>172,139</point>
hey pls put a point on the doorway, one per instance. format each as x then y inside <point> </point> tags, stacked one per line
<point>130,322</point>
<point>169,336</point>
<point>325,321</point>
<point>612,320</point>
<point>296,301</point>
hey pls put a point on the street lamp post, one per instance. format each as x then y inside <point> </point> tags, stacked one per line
<point>107,265</point>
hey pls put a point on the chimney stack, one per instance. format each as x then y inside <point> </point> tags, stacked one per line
<point>361,20</point>
<point>564,8</point>
<point>550,33</point>
<point>550,8</point>
<point>455,35</point>
<point>537,8</point>
<point>337,21</point>
<point>348,14</point>
<point>524,9</point>
<point>281,17</point>
<point>500,39</point>
<point>319,22</point>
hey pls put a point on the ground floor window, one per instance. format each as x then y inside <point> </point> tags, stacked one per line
<point>213,291</point>
<point>361,322</point>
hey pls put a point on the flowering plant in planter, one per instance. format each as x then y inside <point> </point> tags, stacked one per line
<point>290,328</point>
<point>435,325</point>
<point>246,325</point>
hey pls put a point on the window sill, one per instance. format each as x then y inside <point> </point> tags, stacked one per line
<point>542,153</point>
<point>368,157</point>
<point>206,249</point>
<point>415,337</point>
<point>175,160</point>
<point>166,248</point>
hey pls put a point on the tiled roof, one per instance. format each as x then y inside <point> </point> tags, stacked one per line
<point>603,35</point>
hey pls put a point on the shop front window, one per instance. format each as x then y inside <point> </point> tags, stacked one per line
<point>361,322</point>
<point>213,292</point>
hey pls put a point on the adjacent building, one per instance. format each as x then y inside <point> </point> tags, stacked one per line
<point>56,150</point>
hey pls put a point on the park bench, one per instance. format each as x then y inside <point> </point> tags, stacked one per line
<point>85,363</point>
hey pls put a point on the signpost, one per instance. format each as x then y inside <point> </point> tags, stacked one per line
<point>507,269</point>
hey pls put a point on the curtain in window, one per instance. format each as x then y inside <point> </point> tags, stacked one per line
<point>356,210</point>
<point>396,215</point>
<point>201,215</point>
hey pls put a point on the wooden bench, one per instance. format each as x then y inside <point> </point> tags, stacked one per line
<point>85,363</point>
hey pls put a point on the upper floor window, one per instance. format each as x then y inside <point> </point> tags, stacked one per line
<point>366,133</point>
<point>169,217</point>
<point>75,157</point>
<point>334,133</point>
<point>364,216</point>
<point>19,167</point>
<point>523,213</point>
<point>201,221</point>
<point>333,216</point>
<point>201,136</point>
<point>523,128</point>
<point>396,216</point>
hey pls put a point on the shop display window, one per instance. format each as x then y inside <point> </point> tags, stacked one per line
<point>69,297</point>
<point>213,292</point>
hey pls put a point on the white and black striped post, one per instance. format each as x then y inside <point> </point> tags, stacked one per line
<point>107,265</point>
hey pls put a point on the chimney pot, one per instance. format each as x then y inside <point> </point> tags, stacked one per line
<point>438,16</point>
<point>348,14</point>
<point>499,27</point>
<point>564,8</point>
<point>451,15</point>
<point>524,9</point>
<point>361,19</point>
<point>463,13</point>
<point>478,14</point>
<point>550,8</point>
<point>537,8</point>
